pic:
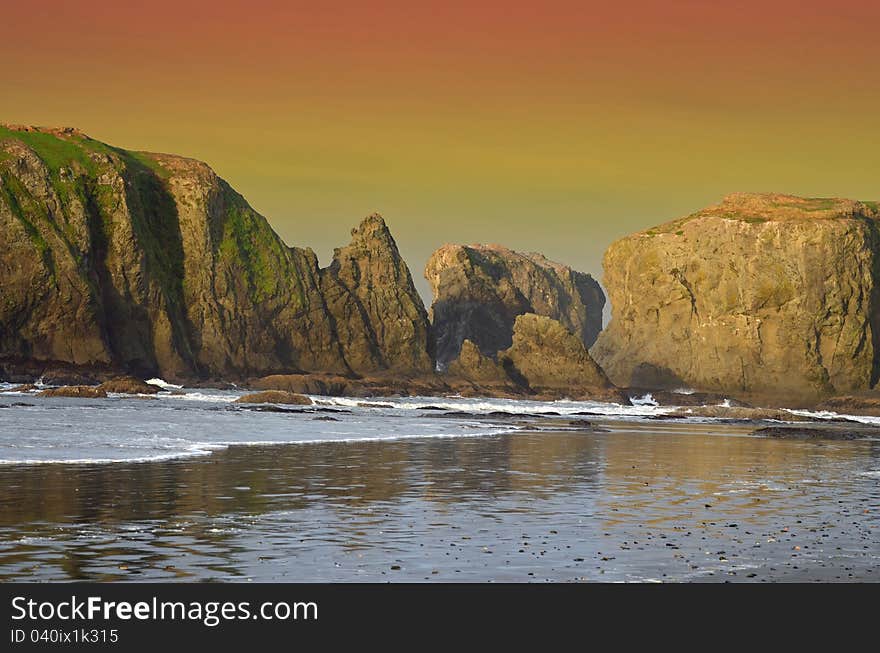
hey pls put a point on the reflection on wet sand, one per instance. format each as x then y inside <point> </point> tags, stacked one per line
<point>509,507</point>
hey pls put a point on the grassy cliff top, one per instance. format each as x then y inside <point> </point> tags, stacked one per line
<point>63,147</point>
<point>756,208</point>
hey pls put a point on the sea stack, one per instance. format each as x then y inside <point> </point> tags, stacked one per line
<point>379,316</point>
<point>479,290</point>
<point>762,293</point>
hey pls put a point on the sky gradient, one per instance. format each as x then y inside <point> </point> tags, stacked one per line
<point>553,127</point>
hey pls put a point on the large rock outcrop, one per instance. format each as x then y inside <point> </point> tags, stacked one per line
<point>152,264</point>
<point>552,361</point>
<point>770,294</point>
<point>479,290</point>
<point>378,314</point>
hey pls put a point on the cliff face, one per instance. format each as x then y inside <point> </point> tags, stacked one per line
<point>480,290</point>
<point>153,264</point>
<point>771,294</point>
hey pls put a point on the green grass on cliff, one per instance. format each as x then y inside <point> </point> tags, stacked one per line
<point>75,163</point>
<point>249,242</point>
<point>14,195</point>
<point>58,152</point>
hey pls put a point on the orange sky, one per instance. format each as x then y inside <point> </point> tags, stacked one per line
<point>552,126</point>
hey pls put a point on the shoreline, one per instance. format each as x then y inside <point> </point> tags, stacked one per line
<point>549,506</point>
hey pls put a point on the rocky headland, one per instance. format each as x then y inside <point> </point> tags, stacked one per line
<point>151,264</point>
<point>119,266</point>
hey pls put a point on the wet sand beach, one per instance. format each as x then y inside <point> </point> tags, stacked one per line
<point>641,501</point>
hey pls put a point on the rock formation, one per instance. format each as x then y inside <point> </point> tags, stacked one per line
<point>770,294</point>
<point>475,374</point>
<point>479,290</point>
<point>475,366</point>
<point>75,391</point>
<point>545,361</point>
<point>549,359</point>
<point>378,314</point>
<point>128,385</point>
<point>151,264</point>
<point>274,397</point>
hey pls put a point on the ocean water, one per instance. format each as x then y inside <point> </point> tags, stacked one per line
<point>198,422</point>
<point>194,487</point>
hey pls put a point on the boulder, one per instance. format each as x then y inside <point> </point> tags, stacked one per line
<point>128,385</point>
<point>274,397</point>
<point>78,391</point>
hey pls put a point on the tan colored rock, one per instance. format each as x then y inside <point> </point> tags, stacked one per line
<point>311,384</point>
<point>739,413</point>
<point>552,361</point>
<point>274,397</point>
<point>128,385</point>
<point>473,374</point>
<point>78,391</point>
<point>479,290</point>
<point>767,294</point>
<point>472,365</point>
<point>378,314</point>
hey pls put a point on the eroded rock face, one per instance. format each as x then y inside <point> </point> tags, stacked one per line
<point>378,314</point>
<point>771,294</point>
<point>479,290</point>
<point>473,365</point>
<point>551,360</point>
<point>151,264</point>
<point>473,374</point>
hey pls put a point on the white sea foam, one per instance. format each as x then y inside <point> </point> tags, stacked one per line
<point>185,423</point>
<point>162,383</point>
<point>215,396</point>
<point>830,415</point>
<point>149,431</point>
<point>514,406</point>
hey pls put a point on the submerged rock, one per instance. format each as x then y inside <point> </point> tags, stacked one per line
<point>770,294</point>
<point>78,391</point>
<point>479,290</point>
<point>852,405</point>
<point>274,397</point>
<point>799,433</point>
